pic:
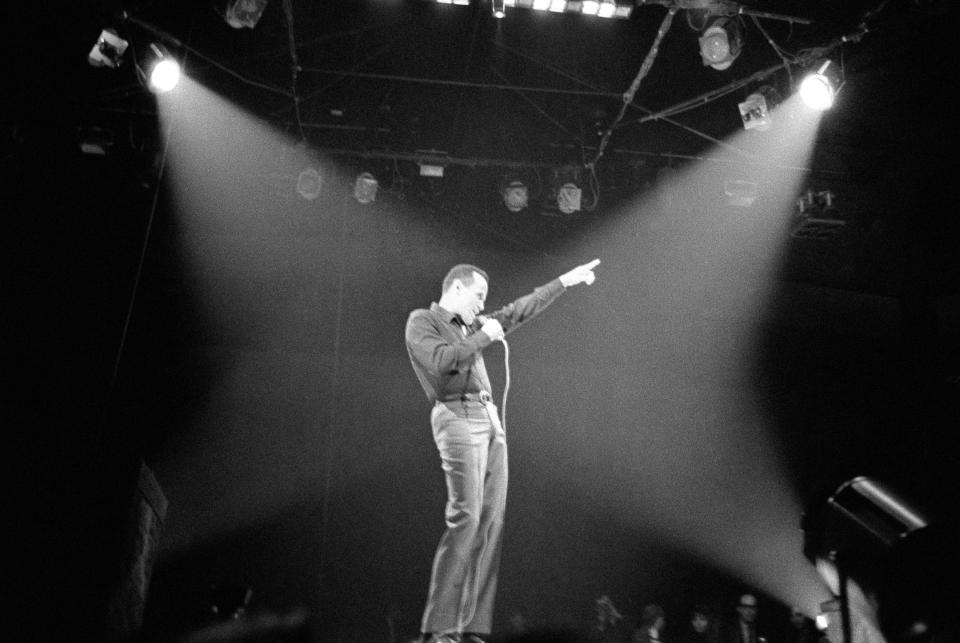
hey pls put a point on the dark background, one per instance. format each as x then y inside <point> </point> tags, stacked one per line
<point>252,356</point>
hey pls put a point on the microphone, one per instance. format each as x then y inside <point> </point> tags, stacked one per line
<point>483,319</point>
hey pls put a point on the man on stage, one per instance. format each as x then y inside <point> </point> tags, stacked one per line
<point>445,344</point>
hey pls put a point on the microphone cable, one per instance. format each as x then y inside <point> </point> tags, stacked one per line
<point>506,382</point>
<point>506,369</point>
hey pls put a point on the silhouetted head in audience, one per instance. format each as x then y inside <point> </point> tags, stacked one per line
<point>700,618</point>
<point>747,608</point>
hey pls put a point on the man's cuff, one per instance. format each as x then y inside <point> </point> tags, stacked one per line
<point>554,287</point>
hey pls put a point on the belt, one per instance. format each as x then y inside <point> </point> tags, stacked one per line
<point>483,397</point>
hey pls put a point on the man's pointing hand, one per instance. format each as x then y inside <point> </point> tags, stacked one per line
<point>580,275</point>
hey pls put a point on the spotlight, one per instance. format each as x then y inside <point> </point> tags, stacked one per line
<point>244,13</point>
<point>607,9</point>
<point>108,50</point>
<point>720,43</point>
<point>164,70</point>
<point>515,196</point>
<point>568,198</point>
<point>309,184</point>
<point>498,8</point>
<point>887,561</point>
<point>819,89</point>
<point>365,188</point>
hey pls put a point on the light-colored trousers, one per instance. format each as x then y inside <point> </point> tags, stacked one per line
<point>473,451</point>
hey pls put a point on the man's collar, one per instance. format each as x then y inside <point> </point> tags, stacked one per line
<point>446,314</point>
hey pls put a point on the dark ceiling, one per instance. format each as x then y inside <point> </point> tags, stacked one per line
<point>403,76</point>
<point>414,79</point>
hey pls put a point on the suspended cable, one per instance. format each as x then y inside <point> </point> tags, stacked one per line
<point>457,83</point>
<point>709,96</point>
<point>294,64</point>
<point>635,85</point>
<point>635,105</point>
<point>343,75</point>
<point>554,69</point>
<point>542,111</point>
<point>776,48</point>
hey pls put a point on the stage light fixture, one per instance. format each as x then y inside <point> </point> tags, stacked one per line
<point>309,183</point>
<point>515,196</point>
<point>569,197</point>
<point>244,13</point>
<point>819,88</point>
<point>607,9</point>
<point>886,561</point>
<point>428,169</point>
<point>365,188</point>
<point>590,7</point>
<point>163,69</point>
<point>558,6</point>
<point>498,8</point>
<point>720,42</point>
<point>754,113</point>
<point>108,50</point>
<point>755,110</point>
<point>822,621</point>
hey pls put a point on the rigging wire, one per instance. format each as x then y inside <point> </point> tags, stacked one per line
<point>294,65</point>
<point>344,75</point>
<point>533,104</point>
<point>635,85</point>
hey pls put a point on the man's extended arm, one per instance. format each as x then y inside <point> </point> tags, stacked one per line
<point>529,306</point>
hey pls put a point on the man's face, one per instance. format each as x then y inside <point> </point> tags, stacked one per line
<point>470,298</point>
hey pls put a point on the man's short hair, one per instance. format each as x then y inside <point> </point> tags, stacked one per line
<point>463,272</point>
